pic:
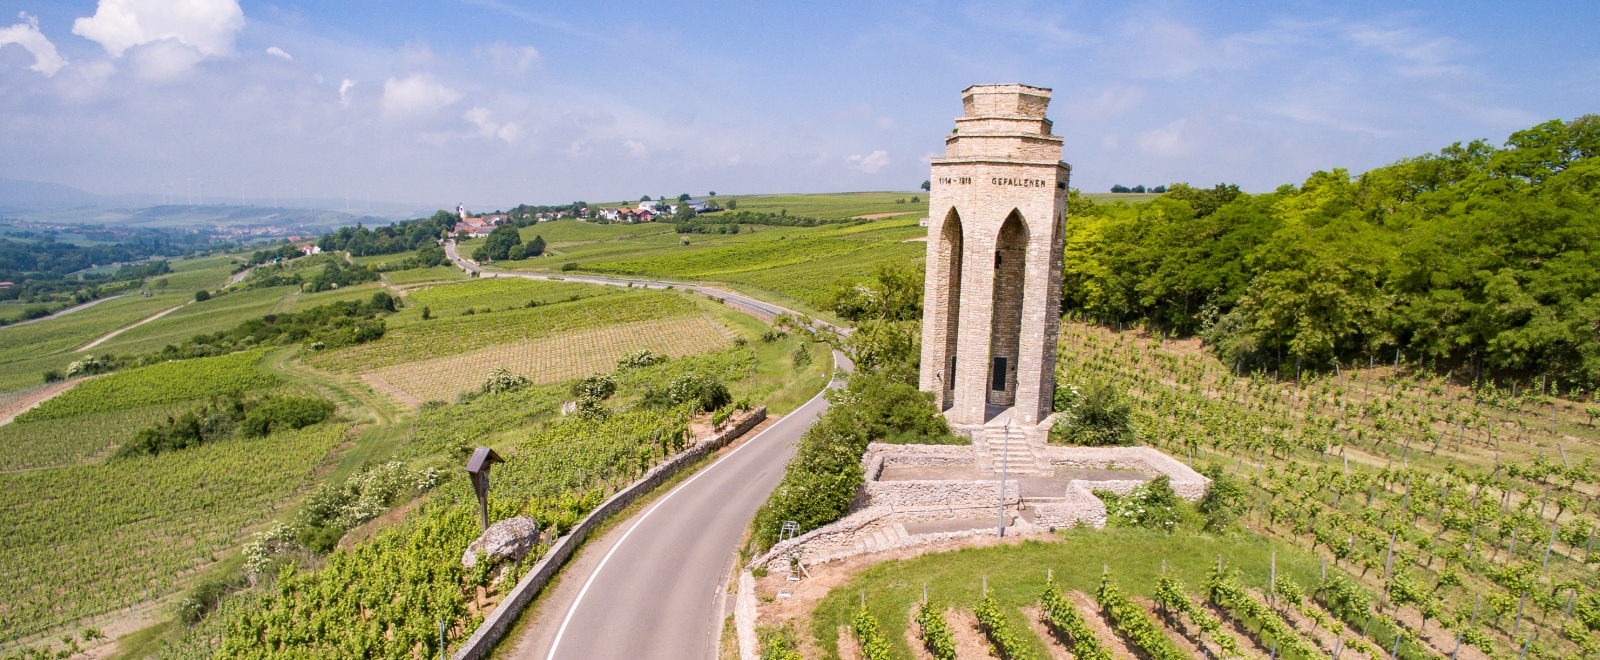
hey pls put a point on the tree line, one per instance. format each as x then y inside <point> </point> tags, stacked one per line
<point>1477,258</point>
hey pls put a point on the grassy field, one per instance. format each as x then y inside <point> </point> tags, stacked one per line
<point>491,294</point>
<point>218,313</point>
<point>80,541</point>
<point>1016,574</point>
<point>555,357</point>
<point>27,351</point>
<point>67,441</point>
<point>836,205</point>
<point>68,333</point>
<point>461,334</point>
<point>793,266</point>
<point>419,275</point>
<point>166,382</point>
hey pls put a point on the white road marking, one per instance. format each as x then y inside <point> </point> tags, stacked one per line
<point>554,645</point>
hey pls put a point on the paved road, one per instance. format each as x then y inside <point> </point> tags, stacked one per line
<point>740,299</point>
<point>67,311</point>
<point>655,586</point>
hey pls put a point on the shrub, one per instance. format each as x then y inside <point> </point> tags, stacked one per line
<point>285,413</point>
<point>202,295</point>
<point>821,480</point>
<point>88,366</point>
<point>1223,501</point>
<point>502,380</point>
<point>362,497</point>
<point>639,359</point>
<point>53,376</point>
<point>1152,505</point>
<point>570,265</point>
<point>598,387</point>
<point>1098,417</point>
<point>801,356</point>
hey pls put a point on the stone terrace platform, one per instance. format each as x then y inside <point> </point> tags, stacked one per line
<point>923,494</point>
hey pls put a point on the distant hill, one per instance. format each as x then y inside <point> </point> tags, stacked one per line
<point>35,194</point>
<point>37,201</point>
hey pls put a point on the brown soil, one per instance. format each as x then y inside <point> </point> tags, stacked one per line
<point>1439,640</point>
<point>1247,641</point>
<point>822,578</point>
<point>848,648</point>
<point>970,642</point>
<point>11,407</point>
<point>1035,620</point>
<point>380,384</point>
<point>1101,626</point>
<point>918,651</point>
<point>1178,632</point>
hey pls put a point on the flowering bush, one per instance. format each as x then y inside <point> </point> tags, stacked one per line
<point>1152,505</point>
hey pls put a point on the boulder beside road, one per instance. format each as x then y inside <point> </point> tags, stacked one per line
<point>508,540</point>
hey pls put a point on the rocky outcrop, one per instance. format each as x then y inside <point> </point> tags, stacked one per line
<point>506,541</point>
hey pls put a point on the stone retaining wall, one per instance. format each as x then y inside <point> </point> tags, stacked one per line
<point>1189,485</point>
<point>934,492</point>
<point>499,621</point>
<point>1079,507</point>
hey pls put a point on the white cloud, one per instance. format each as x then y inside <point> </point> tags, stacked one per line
<point>869,163</point>
<point>344,92</point>
<point>207,26</point>
<point>416,95</point>
<point>509,58</point>
<point>1164,141</point>
<point>163,60</point>
<point>26,34</point>
<point>635,149</point>
<point>1422,56</point>
<point>279,53</point>
<point>479,117</point>
<point>1110,104</point>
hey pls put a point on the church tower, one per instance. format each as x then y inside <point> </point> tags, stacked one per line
<point>992,298</point>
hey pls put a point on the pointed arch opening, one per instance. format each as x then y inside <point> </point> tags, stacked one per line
<point>950,253</point>
<point>1005,328</point>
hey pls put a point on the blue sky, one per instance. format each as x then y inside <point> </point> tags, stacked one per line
<point>495,102</point>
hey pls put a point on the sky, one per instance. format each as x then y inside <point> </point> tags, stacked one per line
<point>498,102</point>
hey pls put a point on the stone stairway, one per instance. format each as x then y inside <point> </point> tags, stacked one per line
<point>996,448</point>
<point>883,538</point>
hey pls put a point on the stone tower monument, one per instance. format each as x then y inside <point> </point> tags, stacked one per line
<point>992,299</point>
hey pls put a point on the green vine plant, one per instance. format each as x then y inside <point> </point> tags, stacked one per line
<point>874,646</point>
<point>1174,601</point>
<point>936,636</point>
<point>1004,640</point>
<point>1064,619</point>
<point>1229,593</point>
<point>1134,623</point>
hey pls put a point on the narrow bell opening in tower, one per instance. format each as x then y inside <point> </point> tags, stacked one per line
<point>1010,269</point>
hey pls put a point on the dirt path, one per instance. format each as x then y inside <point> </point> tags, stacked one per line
<point>10,408</point>
<point>67,311</point>
<point>123,329</point>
